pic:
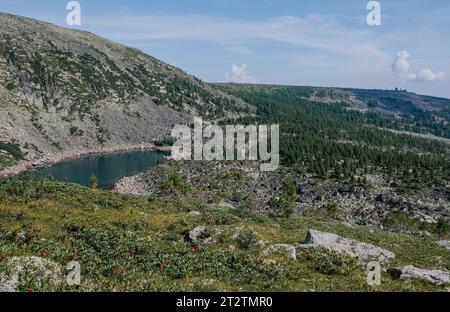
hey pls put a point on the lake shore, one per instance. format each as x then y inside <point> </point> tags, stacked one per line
<point>48,160</point>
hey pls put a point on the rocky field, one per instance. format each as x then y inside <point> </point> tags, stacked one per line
<point>243,185</point>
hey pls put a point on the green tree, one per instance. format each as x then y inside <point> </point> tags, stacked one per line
<point>442,227</point>
<point>284,203</point>
<point>93,181</point>
<point>176,184</point>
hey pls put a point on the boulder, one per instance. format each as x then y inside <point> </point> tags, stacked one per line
<point>362,251</point>
<point>290,249</point>
<point>20,269</point>
<point>444,243</point>
<point>198,234</point>
<point>224,205</point>
<point>436,277</point>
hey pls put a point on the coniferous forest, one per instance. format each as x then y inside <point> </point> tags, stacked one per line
<point>338,141</point>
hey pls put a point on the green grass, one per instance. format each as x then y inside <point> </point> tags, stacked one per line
<point>133,243</point>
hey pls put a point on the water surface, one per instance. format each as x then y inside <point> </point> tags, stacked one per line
<point>107,168</point>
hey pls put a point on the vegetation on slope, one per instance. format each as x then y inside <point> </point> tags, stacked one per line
<point>335,141</point>
<point>126,242</point>
<point>10,154</point>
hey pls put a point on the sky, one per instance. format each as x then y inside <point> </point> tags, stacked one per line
<point>318,43</point>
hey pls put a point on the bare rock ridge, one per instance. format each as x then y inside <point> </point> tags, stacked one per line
<point>65,90</point>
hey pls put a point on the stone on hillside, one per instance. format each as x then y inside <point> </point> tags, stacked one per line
<point>290,249</point>
<point>225,205</point>
<point>362,251</point>
<point>199,234</point>
<point>436,277</point>
<point>20,269</point>
<point>444,243</point>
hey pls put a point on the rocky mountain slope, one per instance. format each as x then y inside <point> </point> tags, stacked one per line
<point>244,186</point>
<point>66,90</point>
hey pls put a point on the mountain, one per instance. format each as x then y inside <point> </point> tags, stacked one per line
<point>364,177</point>
<point>64,90</point>
<point>346,163</point>
<point>386,101</point>
<point>398,110</point>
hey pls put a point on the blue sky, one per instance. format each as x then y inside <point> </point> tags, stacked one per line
<point>309,42</point>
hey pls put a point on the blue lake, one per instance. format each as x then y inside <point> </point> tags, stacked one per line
<point>107,168</point>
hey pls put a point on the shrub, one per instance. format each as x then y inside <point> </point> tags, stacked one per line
<point>333,209</point>
<point>164,142</point>
<point>246,239</point>
<point>93,181</point>
<point>399,221</point>
<point>75,131</point>
<point>13,149</point>
<point>177,228</point>
<point>329,262</point>
<point>176,184</point>
<point>442,227</point>
<point>10,86</point>
<point>284,204</point>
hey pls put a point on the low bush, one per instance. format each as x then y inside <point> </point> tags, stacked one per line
<point>329,262</point>
<point>247,239</point>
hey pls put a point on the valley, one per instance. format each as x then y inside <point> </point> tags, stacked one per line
<point>368,170</point>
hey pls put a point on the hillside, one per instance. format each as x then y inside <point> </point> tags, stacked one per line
<point>174,243</point>
<point>64,90</point>
<point>400,109</point>
<point>364,176</point>
<point>343,166</point>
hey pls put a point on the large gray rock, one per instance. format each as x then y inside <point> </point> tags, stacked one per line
<point>20,269</point>
<point>436,277</point>
<point>362,251</point>
<point>444,243</point>
<point>198,234</point>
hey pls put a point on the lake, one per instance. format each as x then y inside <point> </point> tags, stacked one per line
<point>107,168</point>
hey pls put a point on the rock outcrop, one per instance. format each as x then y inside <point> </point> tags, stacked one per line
<point>436,277</point>
<point>444,243</point>
<point>362,251</point>
<point>201,234</point>
<point>20,269</point>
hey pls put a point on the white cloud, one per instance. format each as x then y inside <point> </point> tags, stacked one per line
<point>401,67</point>
<point>239,74</point>
<point>314,31</point>
<point>239,49</point>
<point>429,75</point>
